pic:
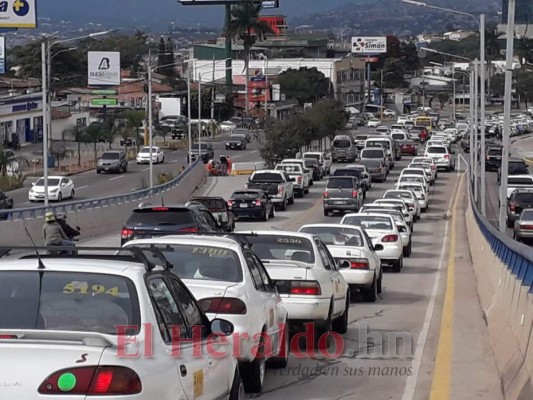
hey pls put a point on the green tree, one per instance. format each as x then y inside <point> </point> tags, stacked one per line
<point>443,99</point>
<point>246,26</point>
<point>5,161</point>
<point>524,85</point>
<point>95,132</point>
<point>492,49</point>
<point>132,122</point>
<point>79,135</point>
<point>409,56</point>
<point>326,117</point>
<point>305,84</point>
<point>393,72</point>
<point>498,84</point>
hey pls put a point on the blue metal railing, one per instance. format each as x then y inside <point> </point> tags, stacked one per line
<point>517,257</point>
<point>82,205</point>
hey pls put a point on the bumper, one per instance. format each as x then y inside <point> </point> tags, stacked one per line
<point>527,234</point>
<point>303,309</point>
<point>377,176</point>
<point>358,278</point>
<point>108,168</point>
<point>255,212</point>
<point>40,196</point>
<point>276,200</point>
<point>146,160</point>
<point>493,165</point>
<point>391,253</point>
<point>234,146</point>
<point>345,157</point>
<point>341,204</point>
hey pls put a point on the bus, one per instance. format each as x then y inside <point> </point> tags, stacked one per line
<point>424,121</point>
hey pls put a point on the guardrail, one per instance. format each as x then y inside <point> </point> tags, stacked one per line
<point>91,204</point>
<point>517,257</point>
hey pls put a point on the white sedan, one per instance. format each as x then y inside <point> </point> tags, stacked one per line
<point>381,229</point>
<point>389,113</point>
<point>356,256</point>
<point>59,188</point>
<point>408,196</point>
<point>374,122</point>
<point>232,283</point>
<point>227,126</point>
<point>144,155</point>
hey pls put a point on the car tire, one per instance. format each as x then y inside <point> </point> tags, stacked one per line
<point>301,194</point>
<point>72,193</point>
<point>283,205</point>
<point>326,213</point>
<point>291,199</point>
<point>253,373</point>
<point>265,216</point>
<point>407,250</point>
<point>311,182</point>
<point>340,325</point>
<point>380,283</point>
<point>272,215</point>
<point>370,295</point>
<point>397,265</point>
<point>282,359</point>
<point>306,191</point>
<point>60,197</point>
<point>509,223</point>
<point>98,171</point>
<point>237,387</point>
<point>322,328</point>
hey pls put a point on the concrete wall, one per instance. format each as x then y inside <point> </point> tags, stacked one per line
<point>508,310</point>
<point>101,221</point>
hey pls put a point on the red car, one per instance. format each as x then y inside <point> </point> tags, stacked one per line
<point>408,148</point>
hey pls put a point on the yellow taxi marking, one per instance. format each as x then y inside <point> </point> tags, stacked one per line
<point>198,379</point>
<point>441,386</point>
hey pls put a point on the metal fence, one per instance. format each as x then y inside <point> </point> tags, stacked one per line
<point>83,205</point>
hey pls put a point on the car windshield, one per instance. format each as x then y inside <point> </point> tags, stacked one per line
<point>67,301</point>
<point>420,165</point>
<point>367,153</point>
<point>51,182</point>
<point>369,221</point>
<point>310,162</point>
<point>414,188</point>
<point>337,236</point>
<point>519,181</point>
<point>149,216</point>
<point>399,136</point>
<point>340,183</point>
<point>279,247</point>
<point>342,143</point>
<point>237,137</point>
<point>205,263</point>
<point>289,168</point>
<point>361,138</point>
<point>147,150</point>
<point>411,179</point>
<point>110,156</point>
<point>203,146</point>
<point>524,197</point>
<point>397,195</point>
<point>411,171</point>
<point>267,177</point>
<point>348,172</point>
<point>437,150</point>
<point>517,164</point>
<point>242,195</point>
<point>211,204</point>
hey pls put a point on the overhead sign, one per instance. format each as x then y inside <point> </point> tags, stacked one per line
<point>210,2</point>
<point>104,102</point>
<point>2,55</point>
<point>103,68</point>
<point>270,4</point>
<point>369,45</point>
<point>18,14</point>
<point>104,92</point>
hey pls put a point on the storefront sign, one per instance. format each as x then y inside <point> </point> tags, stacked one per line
<point>18,14</point>
<point>25,107</point>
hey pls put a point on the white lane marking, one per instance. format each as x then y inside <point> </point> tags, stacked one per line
<point>412,380</point>
<point>172,162</point>
<point>146,169</point>
<point>117,177</point>
<point>241,155</point>
<point>81,187</point>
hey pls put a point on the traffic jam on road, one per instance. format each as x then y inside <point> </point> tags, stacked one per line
<point>217,297</point>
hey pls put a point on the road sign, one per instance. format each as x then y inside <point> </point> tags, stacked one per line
<point>220,98</point>
<point>369,44</point>
<point>104,92</point>
<point>104,102</point>
<point>2,55</point>
<point>267,4</point>
<point>18,14</point>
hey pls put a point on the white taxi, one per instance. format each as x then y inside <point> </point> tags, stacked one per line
<point>307,278</point>
<point>408,196</point>
<point>382,229</point>
<point>230,282</point>
<point>143,157</point>
<point>355,255</point>
<point>112,327</point>
<point>431,162</point>
<point>420,192</point>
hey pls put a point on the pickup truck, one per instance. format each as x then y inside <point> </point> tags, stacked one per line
<point>324,160</point>
<point>518,182</point>
<point>296,173</point>
<point>6,203</point>
<point>308,172</point>
<point>277,184</point>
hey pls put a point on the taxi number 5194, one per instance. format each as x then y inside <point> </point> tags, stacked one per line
<point>76,287</point>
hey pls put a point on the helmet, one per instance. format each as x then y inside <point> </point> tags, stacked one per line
<point>61,216</point>
<point>49,217</point>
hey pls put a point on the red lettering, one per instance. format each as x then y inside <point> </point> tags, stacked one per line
<point>176,340</point>
<point>148,341</point>
<point>283,335</point>
<point>124,338</point>
<point>216,341</point>
<point>237,351</point>
<point>309,335</point>
<point>323,347</point>
<point>263,348</point>
<point>197,340</point>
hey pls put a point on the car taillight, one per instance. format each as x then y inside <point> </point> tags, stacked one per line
<point>447,156</point>
<point>3,337</point>
<point>223,305</point>
<point>389,238</point>
<point>512,206</point>
<point>326,194</point>
<point>281,189</point>
<point>92,381</point>
<point>526,227</point>
<point>309,288</point>
<point>126,233</point>
<point>354,193</point>
<point>230,203</point>
<point>192,229</point>
<point>258,203</point>
<point>359,263</point>
<point>299,179</point>
<point>159,208</point>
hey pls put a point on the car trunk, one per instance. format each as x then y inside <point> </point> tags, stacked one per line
<point>270,187</point>
<point>283,272</point>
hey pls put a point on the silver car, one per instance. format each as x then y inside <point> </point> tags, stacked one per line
<point>343,193</point>
<point>523,226</point>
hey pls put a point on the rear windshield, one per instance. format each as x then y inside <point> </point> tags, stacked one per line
<point>361,138</point>
<point>348,172</point>
<point>337,236</point>
<point>203,146</point>
<point>211,204</point>
<point>110,156</point>
<point>289,168</point>
<point>312,156</point>
<point>372,153</point>
<point>520,181</point>
<point>245,195</point>
<point>342,143</point>
<point>524,197</point>
<point>164,217</point>
<point>417,129</point>
<point>280,247</point>
<point>310,162</point>
<point>398,136</point>
<point>371,163</point>
<point>342,183</point>
<point>377,143</point>
<point>411,179</point>
<point>414,188</point>
<point>527,214</point>
<point>67,301</point>
<point>267,177</point>
<point>369,222</point>
<point>517,164</point>
<point>205,263</point>
<point>437,150</point>
<point>495,152</point>
<point>398,195</point>
<point>410,171</point>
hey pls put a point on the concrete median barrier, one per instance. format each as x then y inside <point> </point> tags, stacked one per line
<point>102,220</point>
<point>507,302</point>
<point>244,168</point>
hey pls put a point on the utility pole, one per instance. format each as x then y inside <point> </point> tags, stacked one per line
<point>44,87</point>
<point>482,112</point>
<point>150,129</point>
<point>476,128</point>
<point>229,72</point>
<point>453,84</point>
<point>472,145</point>
<point>381,96</point>
<point>213,92</point>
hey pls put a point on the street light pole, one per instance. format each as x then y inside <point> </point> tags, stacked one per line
<point>45,118</point>
<point>267,90</point>
<point>150,106</point>
<point>453,94</point>
<point>472,145</point>
<point>475,124</point>
<point>507,111</point>
<point>482,112</point>
<point>189,126</point>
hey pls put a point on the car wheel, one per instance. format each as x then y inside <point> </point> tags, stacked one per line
<point>98,171</point>
<point>340,325</point>
<point>371,294</point>
<point>326,213</point>
<point>60,197</point>
<point>291,200</point>
<point>509,223</point>
<point>163,160</point>
<point>407,250</point>
<point>272,212</point>
<point>398,264</point>
<point>311,182</point>
<point>380,283</point>
<point>253,373</point>
<point>237,387</point>
<point>301,193</point>
<point>284,205</point>
<point>306,190</point>
<point>72,192</point>
<point>265,215</point>
<point>282,359</point>
<point>322,328</point>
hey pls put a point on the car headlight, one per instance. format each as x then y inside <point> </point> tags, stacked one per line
<point>54,190</point>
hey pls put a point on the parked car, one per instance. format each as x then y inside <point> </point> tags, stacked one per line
<point>218,207</point>
<point>112,161</point>
<point>59,188</point>
<point>251,203</point>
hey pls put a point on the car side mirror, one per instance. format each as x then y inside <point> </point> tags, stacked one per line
<point>378,247</point>
<point>221,327</point>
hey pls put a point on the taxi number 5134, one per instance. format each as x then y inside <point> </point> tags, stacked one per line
<point>75,287</point>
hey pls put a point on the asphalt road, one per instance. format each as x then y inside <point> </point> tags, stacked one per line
<point>374,363</point>
<point>90,185</point>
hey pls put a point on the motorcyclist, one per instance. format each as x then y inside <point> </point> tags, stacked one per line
<point>69,231</point>
<point>53,233</point>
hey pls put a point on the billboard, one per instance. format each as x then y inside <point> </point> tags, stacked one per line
<point>2,55</point>
<point>369,45</point>
<point>264,3</point>
<point>103,68</point>
<point>18,14</point>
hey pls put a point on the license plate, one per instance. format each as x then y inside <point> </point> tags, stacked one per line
<point>339,202</point>
<point>106,168</point>
<point>244,205</point>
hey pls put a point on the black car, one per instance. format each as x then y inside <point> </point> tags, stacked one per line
<point>154,221</point>
<point>493,158</point>
<point>252,204</point>
<point>517,166</point>
<point>204,149</point>
<point>236,141</point>
<point>313,164</point>
<point>219,209</point>
<point>520,199</point>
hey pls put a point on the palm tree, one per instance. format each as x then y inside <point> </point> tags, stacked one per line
<point>95,132</point>
<point>5,161</point>
<point>246,26</point>
<point>134,120</point>
<point>79,134</point>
